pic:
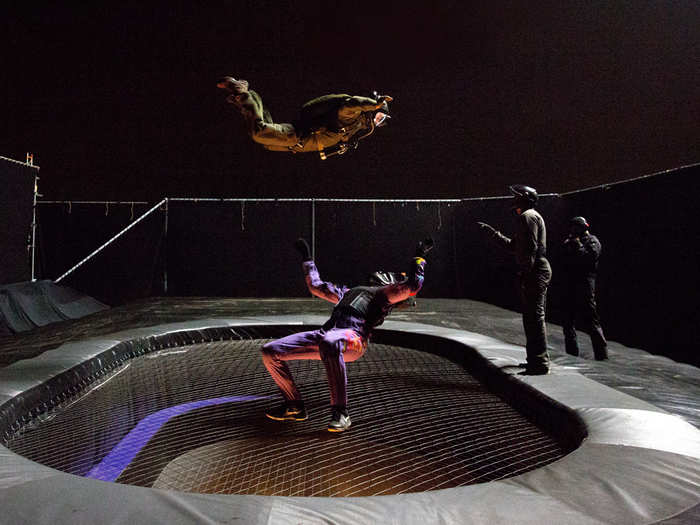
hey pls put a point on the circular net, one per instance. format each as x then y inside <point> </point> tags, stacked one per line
<point>192,419</point>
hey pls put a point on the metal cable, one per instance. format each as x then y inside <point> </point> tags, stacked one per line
<point>110,241</point>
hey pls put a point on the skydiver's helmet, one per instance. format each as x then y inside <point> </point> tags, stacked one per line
<point>381,116</point>
<point>382,278</point>
<point>524,197</point>
<point>578,225</point>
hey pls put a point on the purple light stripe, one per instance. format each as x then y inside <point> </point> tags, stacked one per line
<point>126,450</point>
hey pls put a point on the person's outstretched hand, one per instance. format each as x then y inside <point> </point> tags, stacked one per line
<point>486,227</point>
<point>303,248</point>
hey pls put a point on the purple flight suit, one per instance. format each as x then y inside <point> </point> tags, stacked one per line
<point>344,337</point>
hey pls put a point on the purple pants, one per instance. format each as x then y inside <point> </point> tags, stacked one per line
<point>334,347</point>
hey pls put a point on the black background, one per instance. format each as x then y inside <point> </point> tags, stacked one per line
<point>118,100</point>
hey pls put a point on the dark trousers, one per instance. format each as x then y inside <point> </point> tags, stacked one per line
<point>533,296</point>
<point>581,305</point>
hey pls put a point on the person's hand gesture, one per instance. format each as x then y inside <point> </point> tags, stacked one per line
<point>486,227</point>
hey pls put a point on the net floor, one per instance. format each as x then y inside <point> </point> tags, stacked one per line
<point>192,419</point>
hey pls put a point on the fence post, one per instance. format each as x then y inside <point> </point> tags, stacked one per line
<point>313,229</point>
<point>36,194</point>
<point>165,249</point>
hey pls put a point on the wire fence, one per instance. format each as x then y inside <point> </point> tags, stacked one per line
<point>312,201</point>
<point>242,247</point>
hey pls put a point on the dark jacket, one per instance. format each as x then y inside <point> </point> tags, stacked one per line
<point>581,256</point>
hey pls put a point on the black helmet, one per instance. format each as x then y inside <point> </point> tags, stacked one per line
<point>382,278</point>
<point>524,196</point>
<point>580,222</point>
<point>579,225</point>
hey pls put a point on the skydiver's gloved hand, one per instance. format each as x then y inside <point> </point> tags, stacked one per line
<point>424,247</point>
<point>303,248</point>
<point>487,228</point>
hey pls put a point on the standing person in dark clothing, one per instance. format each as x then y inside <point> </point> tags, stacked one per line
<point>581,253</point>
<point>529,244</point>
<point>329,125</point>
<point>342,339</point>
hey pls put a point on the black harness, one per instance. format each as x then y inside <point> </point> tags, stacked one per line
<point>360,302</point>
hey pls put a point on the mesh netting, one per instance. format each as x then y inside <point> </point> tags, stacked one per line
<point>192,419</point>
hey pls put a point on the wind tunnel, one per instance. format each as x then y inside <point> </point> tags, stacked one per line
<point>443,429</point>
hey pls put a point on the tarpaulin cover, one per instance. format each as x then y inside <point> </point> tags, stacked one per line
<point>26,305</point>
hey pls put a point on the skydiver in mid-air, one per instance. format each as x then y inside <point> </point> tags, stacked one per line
<point>329,125</point>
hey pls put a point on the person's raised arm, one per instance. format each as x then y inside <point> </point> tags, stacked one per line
<point>395,293</point>
<point>505,242</point>
<point>325,290</point>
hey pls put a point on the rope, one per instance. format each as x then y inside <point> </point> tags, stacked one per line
<point>110,241</point>
<point>634,179</point>
<point>111,203</point>
<point>309,199</point>
<point>25,164</point>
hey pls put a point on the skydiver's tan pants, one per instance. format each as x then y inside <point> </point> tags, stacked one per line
<point>261,128</point>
